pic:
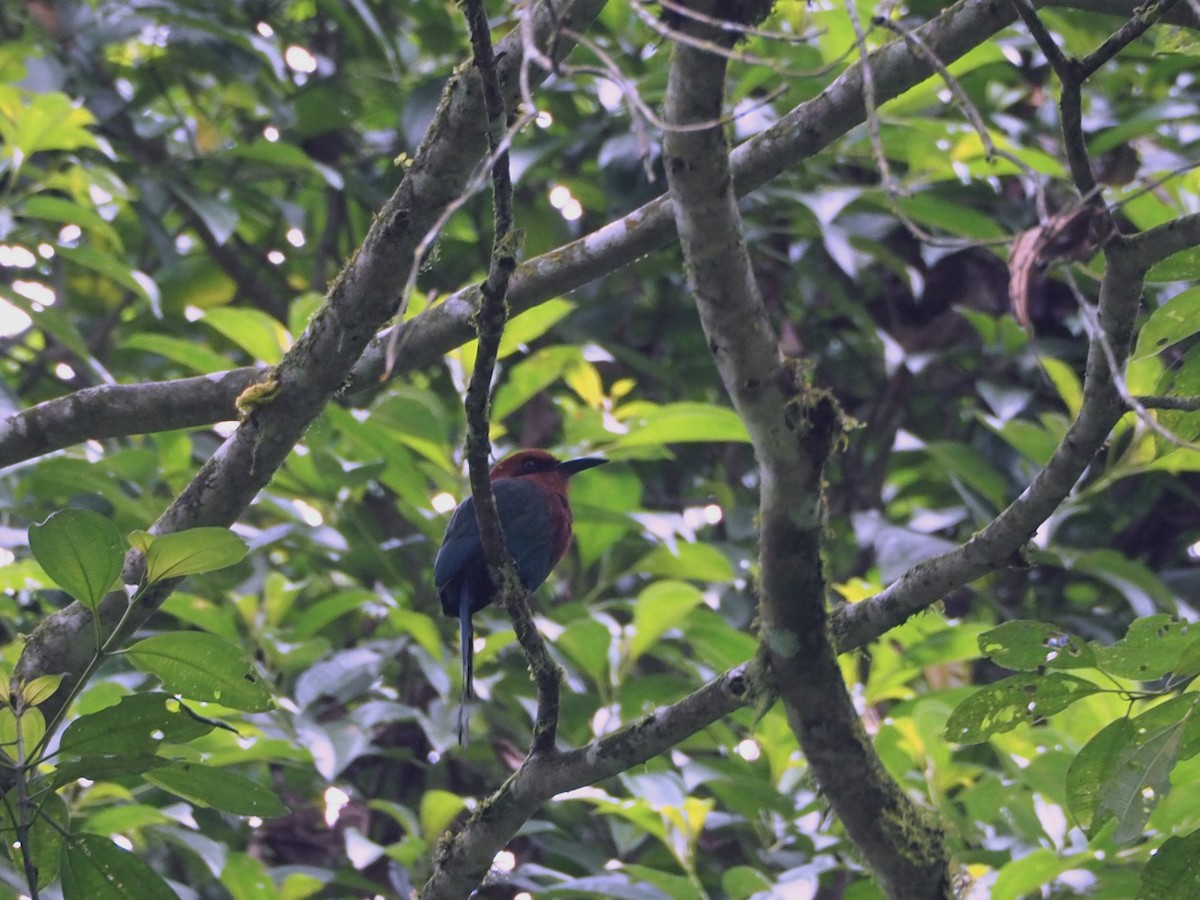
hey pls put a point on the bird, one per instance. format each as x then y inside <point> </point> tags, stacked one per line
<point>530,487</point>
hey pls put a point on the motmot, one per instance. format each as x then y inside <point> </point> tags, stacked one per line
<point>530,488</point>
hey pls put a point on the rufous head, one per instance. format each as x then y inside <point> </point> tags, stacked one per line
<point>543,466</point>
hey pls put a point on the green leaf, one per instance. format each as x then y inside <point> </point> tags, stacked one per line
<point>40,689</point>
<point>438,809</point>
<point>1151,648</point>
<point>691,561</point>
<point>107,265</point>
<point>1174,871</point>
<point>198,358</point>
<point>192,552</point>
<point>202,667</point>
<point>81,550</point>
<point>103,768</point>
<point>522,330</point>
<point>1182,266</point>
<point>94,868</point>
<point>660,607</point>
<point>135,726</point>
<point>1141,778</point>
<point>30,728</point>
<point>59,209</point>
<point>221,219</point>
<point>1006,704</point>
<point>1028,646</point>
<point>1174,321</point>
<point>260,335</point>
<point>1023,875</point>
<point>1092,767</point>
<point>585,642</point>
<point>218,788</point>
<point>530,376</point>
<point>678,423</point>
<point>47,819</point>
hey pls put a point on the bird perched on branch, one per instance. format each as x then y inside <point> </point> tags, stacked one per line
<point>530,488</point>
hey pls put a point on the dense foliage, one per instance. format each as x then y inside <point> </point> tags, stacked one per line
<point>180,184</point>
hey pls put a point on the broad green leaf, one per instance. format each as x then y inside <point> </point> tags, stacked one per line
<point>94,868</point>
<point>47,818</point>
<point>678,423</point>
<point>103,768</point>
<point>438,809</point>
<point>585,642</point>
<point>1066,382</point>
<point>1006,704</point>
<point>1029,646</point>
<point>521,330</point>
<point>692,561</point>
<point>743,882</point>
<point>19,736</point>
<point>1174,871</point>
<point>1151,648</point>
<point>196,357</point>
<point>1093,767</point>
<point>262,336</point>
<point>221,219</point>
<point>59,209</point>
<point>530,376</point>
<point>1174,321</point>
<point>40,689</point>
<point>246,878</point>
<point>329,609</point>
<point>192,552</point>
<point>218,788</point>
<point>202,667</point>
<point>135,726</point>
<point>660,607</point>
<point>1023,875</point>
<point>1141,777</point>
<point>81,550</point>
<point>1183,266</point>
<point>970,466</point>
<point>110,267</point>
<point>51,121</point>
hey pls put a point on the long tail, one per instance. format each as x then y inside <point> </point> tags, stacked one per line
<point>466,634</point>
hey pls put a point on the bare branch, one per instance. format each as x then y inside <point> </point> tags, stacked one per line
<point>492,316</point>
<point>117,410</point>
<point>793,428</point>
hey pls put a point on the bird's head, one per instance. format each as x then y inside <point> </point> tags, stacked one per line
<point>543,467</point>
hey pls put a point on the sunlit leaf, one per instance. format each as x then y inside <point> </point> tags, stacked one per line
<point>218,788</point>
<point>81,550</point>
<point>202,667</point>
<point>192,552</point>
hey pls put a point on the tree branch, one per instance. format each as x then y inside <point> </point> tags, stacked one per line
<point>462,860</point>
<point>360,301</point>
<point>793,428</point>
<point>117,410</point>
<point>492,316</point>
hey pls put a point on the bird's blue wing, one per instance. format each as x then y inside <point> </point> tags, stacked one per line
<point>528,516</point>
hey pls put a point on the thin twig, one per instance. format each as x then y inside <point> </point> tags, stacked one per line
<point>490,320</point>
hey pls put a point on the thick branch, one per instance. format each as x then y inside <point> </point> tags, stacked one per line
<point>116,410</point>
<point>792,429</point>
<point>463,860</point>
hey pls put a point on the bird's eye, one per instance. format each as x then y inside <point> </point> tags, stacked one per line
<point>530,465</point>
